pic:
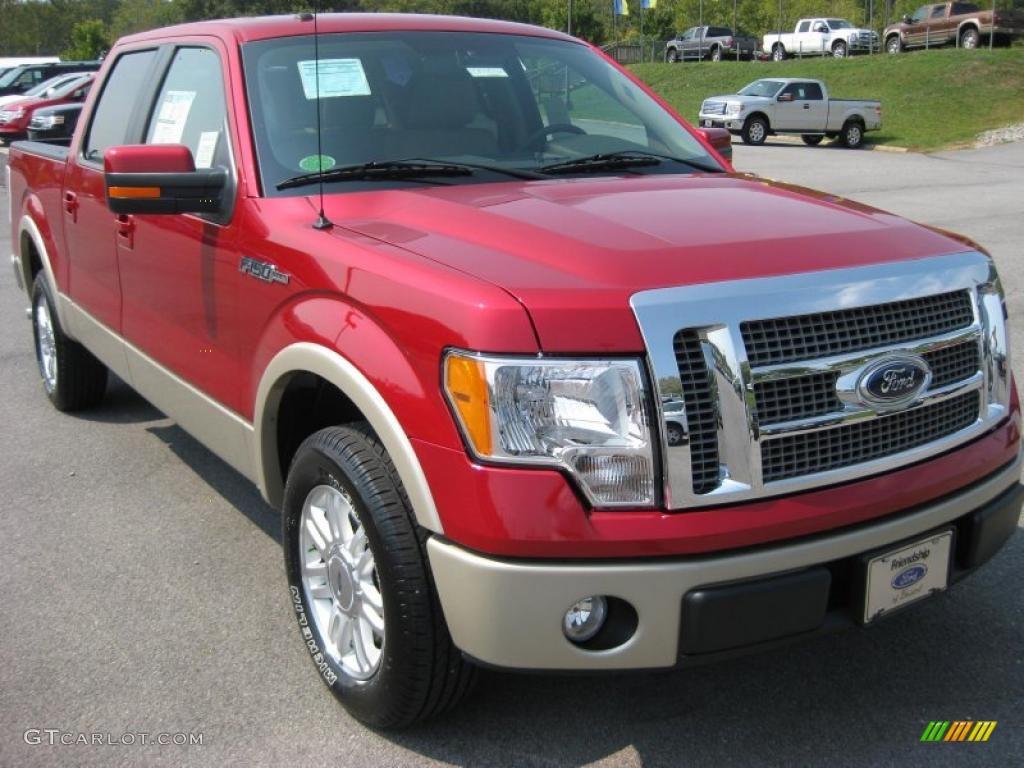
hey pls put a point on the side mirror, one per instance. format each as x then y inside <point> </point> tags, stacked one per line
<point>160,179</point>
<point>720,139</point>
<point>820,28</point>
<point>906,18</point>
<point>785,97</point>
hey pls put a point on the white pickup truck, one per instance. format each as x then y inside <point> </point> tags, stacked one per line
<point>791,105</point>
<point>820,37</point>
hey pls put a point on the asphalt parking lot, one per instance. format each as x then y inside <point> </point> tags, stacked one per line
<point>143,591</point>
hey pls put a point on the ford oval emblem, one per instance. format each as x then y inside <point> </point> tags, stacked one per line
<point>908,577</point>
<point>894,381</point>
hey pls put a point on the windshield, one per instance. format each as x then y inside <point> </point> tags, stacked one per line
<point>761,88</point>
<point>839,24</point>
<point>10,76</point>
<point>504,101</point>
<point>69,87</point>
<point>41,90</point>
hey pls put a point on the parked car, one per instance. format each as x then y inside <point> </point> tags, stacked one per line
<point>792,106</point>
<point>53,123</point>
<point>21,79</point>
<point>962,24</point>
<point>438,334</point>
<point>43,90</point>
<point>714,43</point>
<point>15,116</point>
<point>820,37</point>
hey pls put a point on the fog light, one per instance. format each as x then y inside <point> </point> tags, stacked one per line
<point>585,618</point>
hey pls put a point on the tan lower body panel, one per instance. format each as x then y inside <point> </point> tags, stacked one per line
<point>509,613</point>
<point>223,432</point>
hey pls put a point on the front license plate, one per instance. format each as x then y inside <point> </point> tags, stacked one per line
<point>911,573</point>
<point>707,123</point>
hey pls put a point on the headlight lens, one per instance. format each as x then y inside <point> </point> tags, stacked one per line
<point>589,417</point>
<point>733,108</point>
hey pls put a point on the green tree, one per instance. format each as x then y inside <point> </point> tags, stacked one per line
<point>139,15</point>
<point>89,39</point>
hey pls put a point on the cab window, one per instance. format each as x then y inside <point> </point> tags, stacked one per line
<point>939,12</point>
<point>190,108</point>
<point>804,26</point>
<point>121,92</point>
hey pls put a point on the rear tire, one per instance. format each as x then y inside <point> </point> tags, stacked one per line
<point>812,140</point>
<point>360,583</point>
<point>778,52</point>
<point>72,378</point>
<point>852,135</point>
<point>716,53</point>
<point>755,131</point>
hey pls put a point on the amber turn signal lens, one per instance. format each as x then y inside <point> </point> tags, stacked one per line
<point>466,383</point>
<point>128,193</point>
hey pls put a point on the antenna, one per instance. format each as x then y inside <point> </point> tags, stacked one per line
<point>322,222</point>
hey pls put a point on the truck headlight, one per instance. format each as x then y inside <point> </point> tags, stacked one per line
<point>733,109</point>
<point>588,417</point>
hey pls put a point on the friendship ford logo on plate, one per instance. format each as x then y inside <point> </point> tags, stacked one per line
<point>886,384</point>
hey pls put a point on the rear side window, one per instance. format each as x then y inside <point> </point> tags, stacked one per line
<point>959,8</point>
<point>719,32</point>
<point>939,12</point>
<point>812,91</point>
<point>112,116</point>
<point>804,26</point>
<point>190,108</point>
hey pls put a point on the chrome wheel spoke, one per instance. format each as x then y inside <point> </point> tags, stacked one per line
<point>359,646</point>
<point>372,596</point>
<point>321,592</point>
<point>372,617</point>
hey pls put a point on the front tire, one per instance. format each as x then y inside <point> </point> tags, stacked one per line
<point>852,135</point>
<point>755,131</point>
<point>893,45</point>
<point>72,378</point>
<point>969,38</point>
<point>671,56</point>
<point>812,140</point>
<point>360,583</point>
<point>839,49</point>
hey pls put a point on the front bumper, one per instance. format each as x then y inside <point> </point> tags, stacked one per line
<point>720,121</point>
<point>508,613</point>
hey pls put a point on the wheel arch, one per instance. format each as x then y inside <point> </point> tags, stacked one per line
<point>310,359</point>
<point>759,113</point>
<point>966,24</point>
<point>34,257</point>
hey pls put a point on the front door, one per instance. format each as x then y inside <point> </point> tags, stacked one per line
<point>808,111</point>
<point>179,272</point>
<point>89,226</point>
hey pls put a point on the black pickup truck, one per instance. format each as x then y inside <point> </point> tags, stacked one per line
<point>714,43</point>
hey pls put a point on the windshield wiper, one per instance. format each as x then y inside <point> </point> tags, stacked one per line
<point>410,168</point>
<point>627,158</point>
<point>373,171</point>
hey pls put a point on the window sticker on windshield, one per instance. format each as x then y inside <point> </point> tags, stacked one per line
<point>317,163</point>
<point>170,120</point>
<point>207,146</point>
<point>487,72</point>
<point>338,77</point>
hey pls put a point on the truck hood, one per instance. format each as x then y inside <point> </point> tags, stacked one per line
<point>745,100</point>
<point>573,251</point>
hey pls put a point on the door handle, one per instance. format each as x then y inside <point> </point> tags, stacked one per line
<point>71,205</point>
<point>807,106</point>
<point>125,226</point>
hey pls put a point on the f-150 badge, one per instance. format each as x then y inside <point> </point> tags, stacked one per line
<point>262,270</point>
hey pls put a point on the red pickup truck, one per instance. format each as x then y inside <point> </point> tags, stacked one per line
<point>437,285</point>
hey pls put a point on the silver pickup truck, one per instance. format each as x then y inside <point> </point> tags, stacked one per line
<point>790,105</point>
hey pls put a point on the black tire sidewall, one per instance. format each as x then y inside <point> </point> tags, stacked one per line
<point>369,701</point>
<point>747,139</point>
<point>846,135</point>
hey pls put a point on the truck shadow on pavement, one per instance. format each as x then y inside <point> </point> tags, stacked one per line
<point>121,405</point>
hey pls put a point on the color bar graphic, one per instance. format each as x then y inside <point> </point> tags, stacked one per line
<point>958,730</point>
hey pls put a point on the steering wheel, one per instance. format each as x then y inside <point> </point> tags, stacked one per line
<point>554,128</point>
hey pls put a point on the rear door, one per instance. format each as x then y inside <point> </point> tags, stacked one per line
<point>89,226</point>
<point>179,273</point>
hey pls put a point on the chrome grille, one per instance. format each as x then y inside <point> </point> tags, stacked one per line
<point>955,363</point>
<point>803,397</point>
<point>796,398</point>
<point>701,419</point>
<point>829,449</point>
<point>804,337</point>
<point>772,373</point>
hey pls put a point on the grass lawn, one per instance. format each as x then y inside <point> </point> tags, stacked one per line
<point>930,99</point>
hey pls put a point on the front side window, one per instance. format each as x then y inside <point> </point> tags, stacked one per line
<point>920,14</point>
<point>121,91</point>
<point>939,12</point>
<point>505,101</point>
<point>804,26</point>
<point>190,108</point>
